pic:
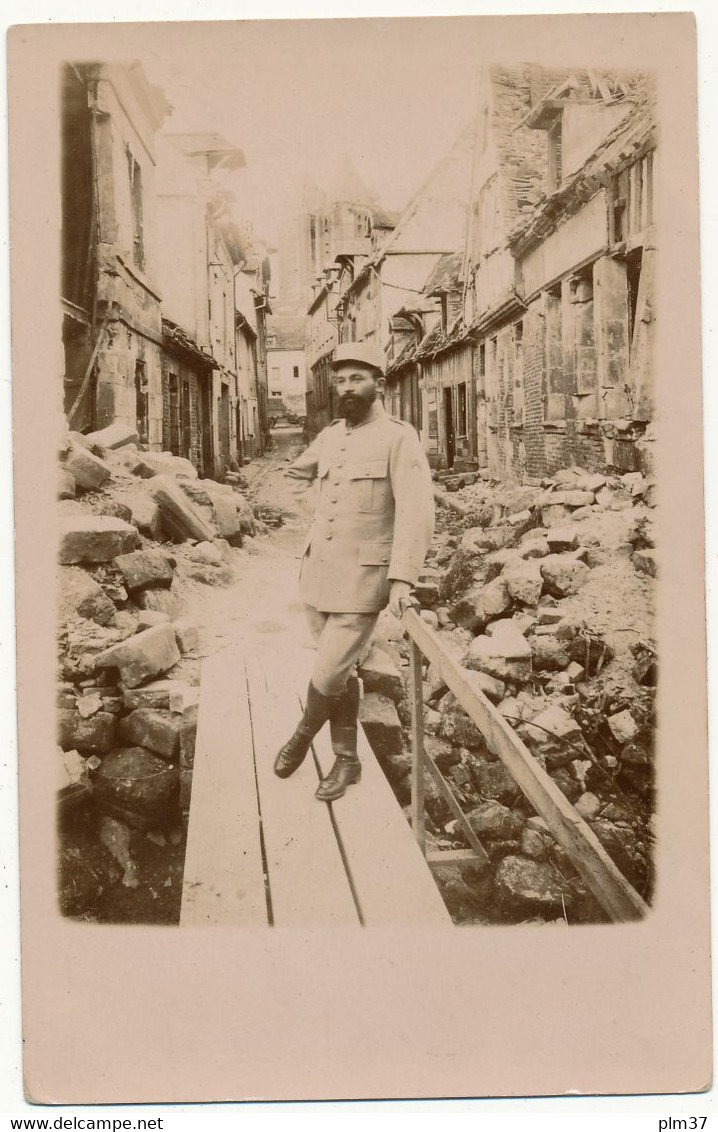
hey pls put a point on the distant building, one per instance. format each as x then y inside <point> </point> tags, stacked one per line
<point>112,324</point>
<point>287,365</point>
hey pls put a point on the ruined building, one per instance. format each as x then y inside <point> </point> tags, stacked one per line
<point>527,345</point>
<point>112,329</point>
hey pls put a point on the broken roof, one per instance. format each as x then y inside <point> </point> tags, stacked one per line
<point>175,336</point>
<point>634,135</point>
<point>445,275</point>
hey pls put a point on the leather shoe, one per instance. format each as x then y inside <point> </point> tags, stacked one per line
<point>345,772</point>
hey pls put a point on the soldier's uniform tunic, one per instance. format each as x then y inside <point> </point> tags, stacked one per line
<point>373,524</point>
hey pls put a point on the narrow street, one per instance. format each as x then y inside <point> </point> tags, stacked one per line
<point>262,605</point>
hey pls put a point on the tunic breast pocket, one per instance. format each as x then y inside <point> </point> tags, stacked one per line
<point>370,487</point>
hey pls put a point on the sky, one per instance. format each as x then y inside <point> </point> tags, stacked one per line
<point>296,96</point>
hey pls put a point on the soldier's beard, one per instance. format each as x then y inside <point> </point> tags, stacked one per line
<point>355,406</point>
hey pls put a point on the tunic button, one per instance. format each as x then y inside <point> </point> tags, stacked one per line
<point>335,499</point>
<point>330,518</point>
<point>329,536</point>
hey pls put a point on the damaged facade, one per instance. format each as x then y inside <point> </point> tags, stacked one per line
<point>164,297</point>
<point>112,328</point>
<point>523,344</point>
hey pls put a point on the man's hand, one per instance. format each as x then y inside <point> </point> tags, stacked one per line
<point>399,598</point>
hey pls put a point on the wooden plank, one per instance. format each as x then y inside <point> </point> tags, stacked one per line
<point>437,858</point>
<point>448,796</point>
<point>389,873</point>
<point>416,692</point>
<point>223,875</point>
<point>308,883</point>
<point>618,898</point>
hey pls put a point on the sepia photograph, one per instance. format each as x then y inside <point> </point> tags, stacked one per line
<point>356,475</point>
<point>466,380</point>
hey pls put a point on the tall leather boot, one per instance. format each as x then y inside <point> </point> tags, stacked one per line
<point>316,714</point>
<point>343,726</point>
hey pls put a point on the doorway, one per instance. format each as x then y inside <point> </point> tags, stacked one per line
<point>449,434</point>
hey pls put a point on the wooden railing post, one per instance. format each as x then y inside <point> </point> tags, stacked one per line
<point>417,745</point>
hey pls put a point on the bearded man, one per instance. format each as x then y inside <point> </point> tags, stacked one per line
<point>372,526</point>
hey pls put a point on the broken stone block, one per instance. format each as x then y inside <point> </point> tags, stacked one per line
<point>94,538</point>
<point>592,483</point>
<point>142,656</point>
<point>534,844</point>
<point>492,780</point>
<point>206,553</point>
<point>493,689</point>
<point>549,654</point>
<point>179,518</point>
<point>505,655</point>
<point>158,694</point>
<point>378,717</point>
<point>81,594</point>
<point>145,514</point>
<point>151,617</point>
<point>549,616</point>
<point>495,821</point>
<point>529,887</point>
<point>573,499</point>
<point>622,726</point>
<point>187,634</point>
<point>474,540</point>
<point>183,697</point>
<point>575,672</point>
<point>380,674</point>
<point>88,704</point>
<point>582,513</point>
<point>157,601</point>
<point>459,728</point>
<point>88,471</point>
<point>561,538</point>
<point>166,464</point>
<point>134,779</point>
<point>533,548</point>
<point>442,751</point>
<point>226,516</point>
<point>116,435</point>
<point>524,582</point>
<point>646,562</point>
<point>132,460</point>
<point>157,730</point>
<point>71,769</point>
<point>188,736</point>
<point>92,736</point>
<point>554,514</point>
<point>554,734</point>
<point>145,568</point>
<point>67,485</point>
<point>588,806</point>
<point>563,575</point>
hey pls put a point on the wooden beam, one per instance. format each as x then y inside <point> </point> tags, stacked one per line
<point>448,796</point>
<point>616,896</point>
<point>418,754</point>
<point>440,857</point>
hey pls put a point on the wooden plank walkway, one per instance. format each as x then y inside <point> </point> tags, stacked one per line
<point>264,851</point>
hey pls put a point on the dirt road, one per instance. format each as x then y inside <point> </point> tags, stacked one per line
<point>262,606</point>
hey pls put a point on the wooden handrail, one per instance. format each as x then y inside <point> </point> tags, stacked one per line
<point>616,896</point>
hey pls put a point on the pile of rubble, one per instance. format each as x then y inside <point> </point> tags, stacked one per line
<point>137,530</point>
<point>545,593</point>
